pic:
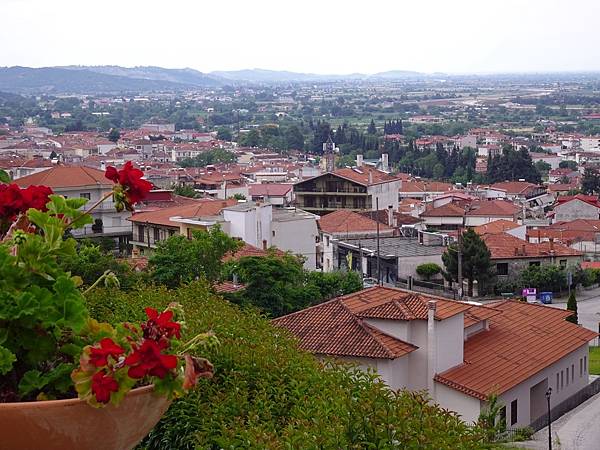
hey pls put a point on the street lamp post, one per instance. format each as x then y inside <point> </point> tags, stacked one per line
<point>548,394</point>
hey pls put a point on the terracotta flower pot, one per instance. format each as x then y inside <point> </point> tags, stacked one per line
<point>73,424</point>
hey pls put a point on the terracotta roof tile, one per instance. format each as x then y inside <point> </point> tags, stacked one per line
<point>200,208</point>
<point>376,176</point>
<point>65,176</point>
<point>493,208</point>
<point>346,221</point>
<point>447,210</point>
<point>506,246</point>
<point>497,226</point>
<point>522,340</point>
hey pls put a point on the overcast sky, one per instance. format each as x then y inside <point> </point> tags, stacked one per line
<point>320,36</point>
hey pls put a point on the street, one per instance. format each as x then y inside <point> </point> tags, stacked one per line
<point>588,308</point>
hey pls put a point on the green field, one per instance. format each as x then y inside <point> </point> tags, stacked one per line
<point>594,367</point>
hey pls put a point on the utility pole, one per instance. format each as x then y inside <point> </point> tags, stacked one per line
<point>378,262</point>
<point>460,275</point>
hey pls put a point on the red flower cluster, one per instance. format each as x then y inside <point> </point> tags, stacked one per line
<point>103,385</point>
<point>147,359</point>
<point>99,356</point>
<point>160,325</point>
<point>132,187</point>
<point>14,200</point>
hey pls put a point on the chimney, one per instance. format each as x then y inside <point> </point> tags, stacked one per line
<point>359,160</point>
<point>391,217</point>
<point>370,177</point>
<point>385,165</point>
<point>431,348</point>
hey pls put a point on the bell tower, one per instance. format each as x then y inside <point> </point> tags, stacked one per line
<point>329,154</point>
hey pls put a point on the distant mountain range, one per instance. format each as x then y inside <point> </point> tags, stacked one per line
<point>280,76</point>
<point>117,79</point>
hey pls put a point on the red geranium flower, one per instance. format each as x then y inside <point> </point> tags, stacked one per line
<point>148,360</point>
<point>99,356</point>
<point>130,179</point>
<point>103,385</point>
<point>37,197</point>
<point>159,325</point>
<point>14,200</point>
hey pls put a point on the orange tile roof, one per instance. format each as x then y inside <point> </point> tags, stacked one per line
<point>331,329</point>
<point>447,210</point>
<point>497,226</point>
<point>200,208</point>
<point>377,176</point>
<point>249,250</point>
<point>337,327</point>
<point>514,187</point>
<point>346,221</point>
<point>228,287</point>
<point>493,208</point>
<point>505,246</point>
<point>65,176</point>
<point>426,186</point>
<point>521,341</point>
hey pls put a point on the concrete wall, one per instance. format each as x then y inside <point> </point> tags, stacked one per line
<point>518,265</point>
<point>466,406</point>
<point>387,193</point>
<point>575,209</point>
<point>475,221</point>
<point>407,265</point>
<point>298,236</point>
<point>450,342</point>
<point>522,392</point>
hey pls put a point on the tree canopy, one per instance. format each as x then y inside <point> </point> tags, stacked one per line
<point>476,262</point>
<point>179,260</point>
<point>512,165</point>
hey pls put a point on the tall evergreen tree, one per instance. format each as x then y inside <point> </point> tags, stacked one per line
<point>572,306</point>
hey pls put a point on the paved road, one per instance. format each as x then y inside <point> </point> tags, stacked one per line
<point>576,430</point>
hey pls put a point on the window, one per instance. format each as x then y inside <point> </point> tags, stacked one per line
<point>171,232</point>
<point>562,378</point>
<point>85,195</point>
<point>513,412</point>
<point>557,376</point>
<point>567,375</point>
<point>572,373</point>
<point>273,233</point>
<point>563,263</point>
<point>502,269</point>
<point>156,234</point>
<point>327,241</point>
<point>585,364</point>
<point>580,367</point>
<point>141,233</point>
<point>534,263</point>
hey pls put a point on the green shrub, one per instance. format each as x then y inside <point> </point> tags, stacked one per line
<point>267,393</point>
<point>428,270</point>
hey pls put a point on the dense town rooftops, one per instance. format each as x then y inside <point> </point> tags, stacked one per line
<point>497,226</point>
<point>492,361</point>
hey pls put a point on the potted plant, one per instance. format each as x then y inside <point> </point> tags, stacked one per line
<point>66,380</point>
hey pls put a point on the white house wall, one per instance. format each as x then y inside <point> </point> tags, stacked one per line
<point>466,406</point>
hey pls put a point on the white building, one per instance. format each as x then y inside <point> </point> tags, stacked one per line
<point>85,182</point>
<point>460,352</point>
<point>590,143</point>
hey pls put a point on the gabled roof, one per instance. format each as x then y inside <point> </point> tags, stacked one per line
<point>269,189</point>
<point>382,217</point>
<point>346,221</point>
<point>358,175</point>
<point>66,176</point>
<point>521,341</point>
<point>495,227</point>
<point>331,329</point>
<point>447,210</point>
<point>506,246</point>
<point>200,208</point>
<point>515,187</point>
<point>493,208</point>
<point>589,199</point>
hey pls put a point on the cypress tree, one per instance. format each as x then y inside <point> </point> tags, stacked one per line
<point>572,306</point>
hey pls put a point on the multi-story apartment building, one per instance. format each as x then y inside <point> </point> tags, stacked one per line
<point>85,182</point>
<point>360,188</point>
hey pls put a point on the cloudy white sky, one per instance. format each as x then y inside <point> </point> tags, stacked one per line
<point>320,36</point>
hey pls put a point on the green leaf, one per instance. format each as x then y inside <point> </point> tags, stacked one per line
<point>7,358</point>
<point>32,381</point>
<point>4,177</point>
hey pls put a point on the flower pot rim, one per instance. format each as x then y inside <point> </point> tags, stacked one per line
<point>68,401</point>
